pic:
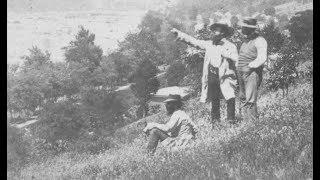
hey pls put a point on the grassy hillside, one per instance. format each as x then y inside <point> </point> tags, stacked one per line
<point>277,146</point>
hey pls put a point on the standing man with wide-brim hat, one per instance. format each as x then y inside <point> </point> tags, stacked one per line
<point>218,76</point>
<point>252,56</point>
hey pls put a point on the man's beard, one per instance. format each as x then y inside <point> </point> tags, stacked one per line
<point>170,110</point>
<point>216,39</point>
<point>247,32</point>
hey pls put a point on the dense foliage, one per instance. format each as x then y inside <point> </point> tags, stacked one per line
<point>145,84</point>
<point>175,74</point>
<point>301,27</point>
<point>274,37</point>
<point>279,146</point>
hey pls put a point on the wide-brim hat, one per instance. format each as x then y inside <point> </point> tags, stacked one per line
<point>173,98</point>
<point>224,25</point>
<point>249,23</point>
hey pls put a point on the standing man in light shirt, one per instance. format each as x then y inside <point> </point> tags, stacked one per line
<point>218,76</point>
<point>252,56</point>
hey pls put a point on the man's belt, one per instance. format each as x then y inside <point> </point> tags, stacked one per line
<point>213,69</point>
<point>232,76</point>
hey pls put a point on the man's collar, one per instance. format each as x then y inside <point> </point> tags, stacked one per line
<point>251,37</point>
<point>219,42</point>
<point>224,40</point>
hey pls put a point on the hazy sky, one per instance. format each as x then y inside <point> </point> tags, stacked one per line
<point>51,31</point>
<point>64,5</point>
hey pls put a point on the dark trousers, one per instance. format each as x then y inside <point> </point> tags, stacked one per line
<point>155,136</point>
<point>214,94</point>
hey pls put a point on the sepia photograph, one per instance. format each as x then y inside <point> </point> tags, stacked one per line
<point>160,89</point>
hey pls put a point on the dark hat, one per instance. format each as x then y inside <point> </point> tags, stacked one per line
<point>250,23</point>
<point>173,97</point>
<point>223,24</point>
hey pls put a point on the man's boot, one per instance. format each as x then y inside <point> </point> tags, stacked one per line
<point>231,111</point>
<point>215,111</point>
<point>251,112</point>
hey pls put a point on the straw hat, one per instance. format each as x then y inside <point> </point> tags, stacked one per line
<point>249,23</point>
<point>173,98</point>
<point>224,24</point>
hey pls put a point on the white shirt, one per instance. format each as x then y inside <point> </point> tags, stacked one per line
<point>171,127</point>
<point>213,52</point>
<point>261,45</point>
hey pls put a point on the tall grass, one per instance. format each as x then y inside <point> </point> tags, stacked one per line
<point>277,146</point>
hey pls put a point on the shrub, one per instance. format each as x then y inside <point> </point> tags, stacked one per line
<point>283,72</point>
<point>146,83</point>
<point>18,150</point>
<point>151,22</point>
<point>305,67</point>
<point>83,50</point>
<point>175,74</point>
<point>155,109</point>
<point>102,109</point>
<point>61,121</point>
<point>274,37</point>
<point>301,27</point>
<point>194,59</point>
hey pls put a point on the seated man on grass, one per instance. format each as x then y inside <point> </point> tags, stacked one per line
<point>178,130</point>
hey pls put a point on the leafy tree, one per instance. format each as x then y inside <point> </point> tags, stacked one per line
<point>122,64</point>
<point>301,27</point>
<point>283,71</point>
<point>274,37</point>
<point>172,49</point>
<point>85,66</point>
<point>143,46</point>
<point>271,11</point>
<point>175,74</point>
<point>193,72</point>
<point>283,21</point>
<point>91,106</point>
<point>152,22</point>
<point>11,80</point>
<point>83,50</point>
<point>146,83</point>
<point>102,109</point>
<point>28,88</point>
<point>194,58</point>
<point>61,121</point>
<point>12,69</point>
<point>84,85</point>
<point>36,59</point>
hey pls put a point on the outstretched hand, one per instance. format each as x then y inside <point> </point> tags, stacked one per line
<point>175,31</point>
